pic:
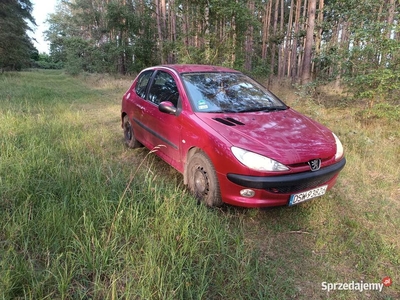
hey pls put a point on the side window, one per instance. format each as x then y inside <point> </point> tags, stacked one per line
<point>142,82</point>
<point>163,89</point>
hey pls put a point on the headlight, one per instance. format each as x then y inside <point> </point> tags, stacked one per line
<point>339,148</point>
<point>256,161</point>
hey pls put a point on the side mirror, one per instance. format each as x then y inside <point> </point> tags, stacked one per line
<point>167,107</point>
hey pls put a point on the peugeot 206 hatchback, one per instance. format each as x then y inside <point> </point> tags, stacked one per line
<point>232,139</point>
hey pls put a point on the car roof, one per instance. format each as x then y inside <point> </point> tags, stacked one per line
<point>193,68</point>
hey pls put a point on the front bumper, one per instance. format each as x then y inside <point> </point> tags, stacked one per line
<point>287,184</point>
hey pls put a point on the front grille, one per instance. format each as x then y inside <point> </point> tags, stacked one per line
<point>305,185</point>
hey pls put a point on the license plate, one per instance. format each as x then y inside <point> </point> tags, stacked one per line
<point>307,195</point>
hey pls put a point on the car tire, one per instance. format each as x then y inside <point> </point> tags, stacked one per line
<point>129,135</point>
<point>203,181</point>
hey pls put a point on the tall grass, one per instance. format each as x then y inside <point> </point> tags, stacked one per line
<point>76,226</point>
<point>83,217</point>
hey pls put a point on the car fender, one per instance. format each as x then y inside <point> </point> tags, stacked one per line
<point>215,146</point>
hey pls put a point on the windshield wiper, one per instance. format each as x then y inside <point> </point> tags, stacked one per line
<point>265,108</point>
<point>221,111</point>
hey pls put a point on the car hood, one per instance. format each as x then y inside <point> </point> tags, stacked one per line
<point>286,136</point>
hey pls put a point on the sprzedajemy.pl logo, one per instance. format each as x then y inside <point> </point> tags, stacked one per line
<point>356,286</point>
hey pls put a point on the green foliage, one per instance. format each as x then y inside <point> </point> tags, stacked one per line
<point>260,69</point>
<point>357,40</point>
<point>76,51</point>
<point>112,45</point>
<point>379,84</point>
<point>367,60</point>
<point>16,48</point>
<point>388,112</point>
<point>45,61</point>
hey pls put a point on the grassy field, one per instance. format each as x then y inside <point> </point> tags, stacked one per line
<point>83,217</point>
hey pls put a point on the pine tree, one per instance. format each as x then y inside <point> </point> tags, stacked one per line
<point>16,46</point>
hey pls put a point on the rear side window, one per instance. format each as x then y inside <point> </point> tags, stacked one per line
<point>142,82</point>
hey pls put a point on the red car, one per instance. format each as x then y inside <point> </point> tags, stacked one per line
<point>233,140</point>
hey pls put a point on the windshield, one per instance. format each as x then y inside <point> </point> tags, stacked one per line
<point>228,92</point>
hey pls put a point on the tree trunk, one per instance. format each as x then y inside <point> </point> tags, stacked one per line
<point>293,67</point>
<point>207,44</point>
<point>172,31</point>
<point>234,39</point>
<point>249,42</point>
<point>318,37</point>
<point>265,36</point>
<point>306,71</point>
<point>159,31</point>
<point>390,19</point>
<point>274,34</point>
<point>289,39</point>
<point>281,53</point>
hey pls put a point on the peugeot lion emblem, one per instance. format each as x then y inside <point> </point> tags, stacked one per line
<point>315,164</point>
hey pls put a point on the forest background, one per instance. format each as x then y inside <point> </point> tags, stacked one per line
<point>355,44</point>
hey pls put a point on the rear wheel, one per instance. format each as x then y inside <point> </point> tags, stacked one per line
<point>129,136</point>
<point>203,181</point>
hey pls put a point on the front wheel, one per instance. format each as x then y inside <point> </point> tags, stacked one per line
<point>203,181</point>
<point>129,136</point>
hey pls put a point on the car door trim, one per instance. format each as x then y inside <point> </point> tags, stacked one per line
<point>155,134</point>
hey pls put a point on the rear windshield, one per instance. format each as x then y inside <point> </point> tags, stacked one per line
<point>228,92</point>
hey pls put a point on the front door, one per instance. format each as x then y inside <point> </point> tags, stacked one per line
<point>163,130</point>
